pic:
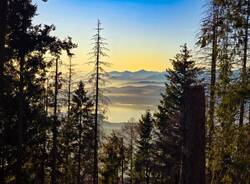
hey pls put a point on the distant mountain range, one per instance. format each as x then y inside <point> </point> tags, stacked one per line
<point>141,75</point>
<point>131,93</point>
<point>136,88</point>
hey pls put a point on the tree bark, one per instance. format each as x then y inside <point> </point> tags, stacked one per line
<point>95,180</point>
<point>244,64</point>
<point>54,129</point>
<point>213,75</point>
<point>68,119</point>
<point>79,153</point>
<point>122,152</point>
<point>131,154</point>
<point>3,25</point>
<point>194,136</point>
<point>20,120</point>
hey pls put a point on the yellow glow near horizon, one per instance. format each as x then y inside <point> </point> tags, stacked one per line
<point>140,36</point>
<point>126,61</point>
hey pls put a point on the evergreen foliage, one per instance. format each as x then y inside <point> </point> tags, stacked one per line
<point>43,140</point>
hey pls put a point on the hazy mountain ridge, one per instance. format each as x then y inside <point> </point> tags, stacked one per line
<point>138,75</point>
<point>140,90</point>
<point>132,93</point>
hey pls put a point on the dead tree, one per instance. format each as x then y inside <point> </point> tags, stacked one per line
<point>98,78</point>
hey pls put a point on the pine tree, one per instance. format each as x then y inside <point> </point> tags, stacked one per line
<point>65,101</point>
<point>57,49</point>
<point>97,77</point>
<point>144,153</point>
<point>168,120</point>
<point>22,108</point>
<point>242,26</point>
<point>209,41</point>
<point>30,71</point>
<point>111,159</point>
<point>232,47</point>
<point>129,133</point>
<point>82,113</point>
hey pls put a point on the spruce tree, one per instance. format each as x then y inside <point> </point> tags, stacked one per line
<point>168,121</point>
<point>143,158</point>
<point>82,137</point>
<point>111,159</point>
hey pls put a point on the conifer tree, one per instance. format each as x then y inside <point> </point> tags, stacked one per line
<point>209,41</point>
<point>98,78</point>
<point>57,49</point>
<point>241,25</point>
<point>111,159</point>
<point>143,161</point>
<point>82,113</point>
<point>23,75</point>
<point>232,46</point>
<point>168,124</point>
<point>129,133</point>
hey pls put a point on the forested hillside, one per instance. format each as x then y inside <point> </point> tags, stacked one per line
<point>52,127</point>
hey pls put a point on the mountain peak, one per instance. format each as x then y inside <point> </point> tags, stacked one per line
<point>142,70</point>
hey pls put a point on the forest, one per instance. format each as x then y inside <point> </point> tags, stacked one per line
<point>51,130</point>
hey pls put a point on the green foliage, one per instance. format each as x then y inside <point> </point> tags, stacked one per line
<point>168,128</point>
<point>226,31</point>
<point>143,158</point>
<point>32,139</point>
<point>111,159</point>
<point>82,133</point>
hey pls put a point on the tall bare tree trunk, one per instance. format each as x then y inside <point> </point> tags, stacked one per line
<point>44,154</point>
<point>54,128</point>
<point>68,119</point>
<point>131,155</point>
<point>79,153</point>
<point>3,25</point>
<point>122,152</point>
<point>249,112</point>
<point>213,75</point>
<point>96,105</point>
<point>212,101</point>
<point>244,64</point>
<point>69,86</point>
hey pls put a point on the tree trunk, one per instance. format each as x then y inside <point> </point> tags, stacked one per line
<point>213,76</point>
<point>249,112</point>
<point>131,155</point>
<point>96,106</point>
<point>79,153</point>
<point>194,136</point>
<point>244,65</point>
<point>3,25</point>
<point>68,120</point>
<point>122,152</point>
<point>54,128</point>
<point>20,120</point>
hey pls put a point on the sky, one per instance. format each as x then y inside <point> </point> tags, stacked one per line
<point>141,34</point>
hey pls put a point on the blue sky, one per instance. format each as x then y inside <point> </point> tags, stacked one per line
<point>142,34</point>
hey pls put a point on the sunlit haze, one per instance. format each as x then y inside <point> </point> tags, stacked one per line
<point>142,34</point>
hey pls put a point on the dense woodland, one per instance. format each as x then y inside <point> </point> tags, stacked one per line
<point>50,130</point>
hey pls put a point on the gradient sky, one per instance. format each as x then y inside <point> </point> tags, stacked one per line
<point>142,34</point>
